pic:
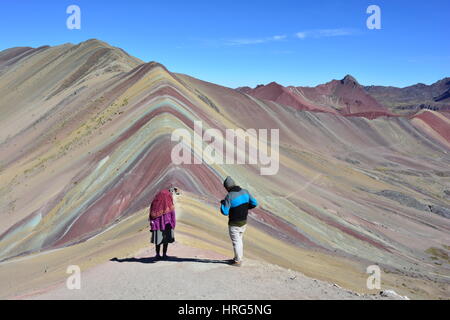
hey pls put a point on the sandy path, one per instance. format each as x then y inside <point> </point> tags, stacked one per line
<point>194,274</point>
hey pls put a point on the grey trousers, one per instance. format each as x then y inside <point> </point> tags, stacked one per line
<point>237,235</point>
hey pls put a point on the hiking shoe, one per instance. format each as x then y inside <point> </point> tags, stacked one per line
<point>236,263</point>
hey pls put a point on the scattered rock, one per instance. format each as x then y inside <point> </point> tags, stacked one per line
<point>413,203</point>
<point>392,294</point>
<point>351,161</point>
<point>444,212</point>
<point>403,199</point>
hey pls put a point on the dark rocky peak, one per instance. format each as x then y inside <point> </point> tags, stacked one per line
<point>349,80</point>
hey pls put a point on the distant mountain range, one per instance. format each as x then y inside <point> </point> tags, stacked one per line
<point>349,98</point>
<point>413,98</point>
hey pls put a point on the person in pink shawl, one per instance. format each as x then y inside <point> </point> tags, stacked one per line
<point>162,221</point>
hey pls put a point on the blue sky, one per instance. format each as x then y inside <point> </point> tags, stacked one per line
<point>237,43</point>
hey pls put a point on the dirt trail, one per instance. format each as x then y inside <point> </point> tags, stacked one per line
<point>194,274</point>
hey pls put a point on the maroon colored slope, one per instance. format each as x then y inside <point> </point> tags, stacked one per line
<point>440,124</point>
<point>346,97</point>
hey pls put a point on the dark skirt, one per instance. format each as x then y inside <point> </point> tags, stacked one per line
<point>163,236</point>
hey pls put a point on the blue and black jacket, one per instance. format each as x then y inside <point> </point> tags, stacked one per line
<point>236,205</point>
